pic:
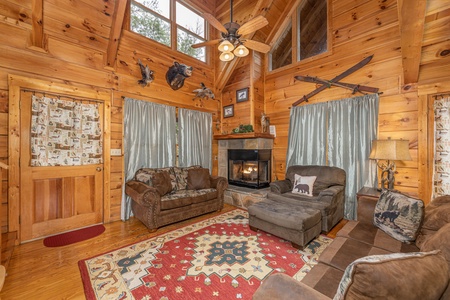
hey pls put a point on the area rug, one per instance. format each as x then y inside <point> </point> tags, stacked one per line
<point>75,236</point>
<point>217,258</point>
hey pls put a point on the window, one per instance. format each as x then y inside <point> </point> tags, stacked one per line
<point>309,26</point>
<point>312,28</point>
<point>157,20</point>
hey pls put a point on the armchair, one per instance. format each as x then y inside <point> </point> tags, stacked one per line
<point>328,194</point>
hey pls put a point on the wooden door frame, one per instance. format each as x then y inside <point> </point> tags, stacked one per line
<point>426,135</point>
<point>16,84</point>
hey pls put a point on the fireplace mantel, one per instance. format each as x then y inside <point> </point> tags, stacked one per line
<point>249,135</point>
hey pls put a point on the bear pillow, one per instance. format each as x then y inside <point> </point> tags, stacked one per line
<point>304,185</point>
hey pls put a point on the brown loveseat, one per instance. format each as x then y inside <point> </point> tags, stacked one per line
<point>423,276</point>
<point>167,195</point>
<point>328,193</point>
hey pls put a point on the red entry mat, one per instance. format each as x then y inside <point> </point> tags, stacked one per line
<point>75,236</point>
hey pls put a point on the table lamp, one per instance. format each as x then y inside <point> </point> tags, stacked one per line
<point>389,151</point>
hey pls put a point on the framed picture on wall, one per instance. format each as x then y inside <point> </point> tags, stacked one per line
<point>242,95</point>
<point>228,111</point>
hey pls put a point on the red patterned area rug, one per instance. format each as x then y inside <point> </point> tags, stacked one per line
<point>217,258</point>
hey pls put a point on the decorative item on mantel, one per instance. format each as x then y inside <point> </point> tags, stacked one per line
<point>243,128</point>
<point>147,74</point>
<point>176,75</point>
<point>389,150</point>
<point>335,82</point>
<point>203,93</point>
<point>265,123</point>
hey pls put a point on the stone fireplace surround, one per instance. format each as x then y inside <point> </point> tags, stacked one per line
<point>234,195</point>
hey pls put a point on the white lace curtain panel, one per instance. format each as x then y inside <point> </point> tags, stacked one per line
<point>65,133</point>
<point>441,176</point>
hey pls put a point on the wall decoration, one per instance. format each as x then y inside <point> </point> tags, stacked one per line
<point>242,95</point>
<point>203,93</point>
<point>243,128</point>
<point>147,74</point>
<point>176,75</point>
<point>65,133</point>
<point>228,111</point>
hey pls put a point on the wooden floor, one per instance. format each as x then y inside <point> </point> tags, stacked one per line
<point>37,272</point>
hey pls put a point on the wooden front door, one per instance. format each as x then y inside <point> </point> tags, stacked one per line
<point>55,199</point>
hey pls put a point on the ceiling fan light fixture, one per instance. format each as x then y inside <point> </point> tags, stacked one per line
<point>226,56</point>
<point>226,46</point>
<point>241,51</point>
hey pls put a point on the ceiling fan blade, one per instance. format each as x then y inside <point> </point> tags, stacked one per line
<point>258,46</point>
<point>214,22</point>
<point>208,43</point>
<point>252,25</point>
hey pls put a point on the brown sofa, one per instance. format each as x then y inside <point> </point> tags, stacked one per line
<point>328,193</point>
<point>167,195</point>
<point>424,277</point>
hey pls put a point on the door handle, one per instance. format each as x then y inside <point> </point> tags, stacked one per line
<point>98,169</point>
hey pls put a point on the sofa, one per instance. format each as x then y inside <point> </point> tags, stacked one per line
<point>364,261</point>
<point>162,196</point>
<point>326,194</point>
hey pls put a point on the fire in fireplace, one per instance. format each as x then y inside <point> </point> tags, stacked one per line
<point>249,168</point>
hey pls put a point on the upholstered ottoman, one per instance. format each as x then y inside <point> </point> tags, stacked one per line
<point>294,223</point>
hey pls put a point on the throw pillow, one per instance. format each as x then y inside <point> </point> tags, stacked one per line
<point>162,182</point>
<point>398,215</point>
<point>198,179</point>
<point>412,276</point>
<point>304,185</point>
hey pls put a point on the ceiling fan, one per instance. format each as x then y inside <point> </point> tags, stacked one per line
<point>232,34</point>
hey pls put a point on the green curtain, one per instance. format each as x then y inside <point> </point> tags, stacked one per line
<point>149,140</point>
<point>307,135</point>
<point>338,134</point>
<point>194,138</point>
<point>352,125</point>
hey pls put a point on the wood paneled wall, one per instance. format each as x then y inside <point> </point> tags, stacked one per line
<point>76,38</point>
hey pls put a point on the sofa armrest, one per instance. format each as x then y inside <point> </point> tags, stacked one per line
<point>331,191</point>
<point>366,209</point>
<point>281,186</point>
<point>143,194</point>
<point>282,286</point>
<point>218,182</point>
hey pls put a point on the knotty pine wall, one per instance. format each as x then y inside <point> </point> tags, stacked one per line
<point>359,29</point>
<point>76,40</point>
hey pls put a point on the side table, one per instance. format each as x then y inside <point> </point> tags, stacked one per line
<point>368,192</point>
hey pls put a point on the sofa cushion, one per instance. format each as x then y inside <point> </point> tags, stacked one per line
<point>323,278</point>
<point>304,185</point>
<point>437,213</point>
<point>145,175</point>
<point>182,198</point>
<point>162,182</point>
<point>391,277</point>
<point>399,215</point>
<point>369,234</point>
<point>181,175</point>
<point>198,179</point>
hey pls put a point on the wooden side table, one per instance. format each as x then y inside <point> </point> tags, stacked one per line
<point>368,192</point>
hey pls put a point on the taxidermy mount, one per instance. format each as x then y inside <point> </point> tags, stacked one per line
<point>176,75</point>
<point>203,93</point>
<point>147,74</point>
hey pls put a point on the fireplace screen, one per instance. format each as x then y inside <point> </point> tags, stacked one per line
<point>250,168</point>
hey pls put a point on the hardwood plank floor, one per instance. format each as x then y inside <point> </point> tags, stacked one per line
<point>37,272</point>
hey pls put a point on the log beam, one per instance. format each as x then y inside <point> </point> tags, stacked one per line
<point>116,32</point>
<point>411,16</point>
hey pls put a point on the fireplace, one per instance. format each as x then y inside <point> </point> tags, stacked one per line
<point>249,168</point>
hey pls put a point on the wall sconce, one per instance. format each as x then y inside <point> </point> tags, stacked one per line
<point>389,150</point>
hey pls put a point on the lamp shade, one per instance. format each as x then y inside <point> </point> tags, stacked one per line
<point>226,46</point>
<point>241,51</point>
<point>390,150</point>
<point>226,56</point>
